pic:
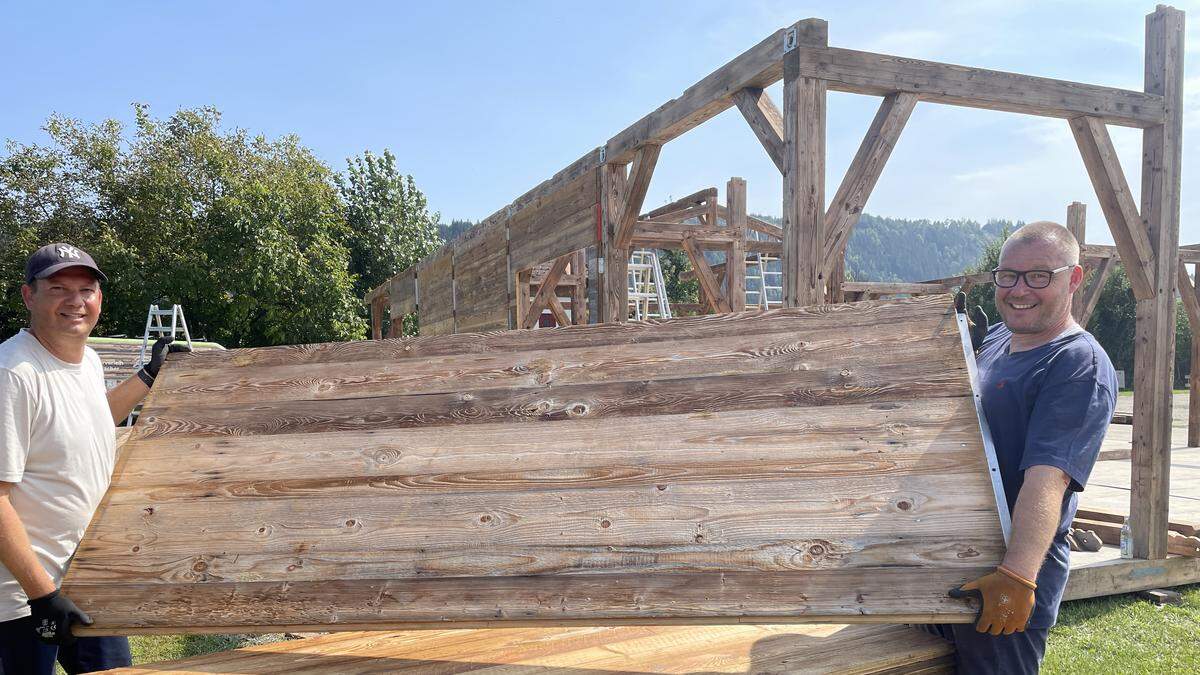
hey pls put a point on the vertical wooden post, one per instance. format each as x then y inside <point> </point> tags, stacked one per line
<point>1154,345</point>
<point>1077,224</point>
<point>1194,378</point>
<point>735,261</point>
<point>836,277</point>
<point>376,319</point>
<point>804,173</point>
<point>522,280</point>
<point>615,288</point>
<point>579,314</point>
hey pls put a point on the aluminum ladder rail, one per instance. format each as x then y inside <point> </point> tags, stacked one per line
<point>156,328</point>
<point>647,290</point>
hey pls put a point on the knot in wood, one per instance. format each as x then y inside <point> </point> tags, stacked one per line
<point>577,409</point>
<point>386,455</point>
<point>199,566</point>
<point>606,523</point>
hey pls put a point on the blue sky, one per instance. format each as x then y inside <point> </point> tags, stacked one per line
<point>482,101</point>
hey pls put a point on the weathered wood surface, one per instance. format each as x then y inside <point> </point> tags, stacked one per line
<point>435,284</point>
<point>795,465</point>
<point>634,649</point>
<point>481,280</point>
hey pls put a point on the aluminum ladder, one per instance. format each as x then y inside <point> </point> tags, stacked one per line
<point>647,292</point>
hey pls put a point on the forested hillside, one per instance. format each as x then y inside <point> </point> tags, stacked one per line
<point>898,249</point>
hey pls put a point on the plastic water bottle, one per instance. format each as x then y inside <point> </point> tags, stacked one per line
<point>1126,540</point>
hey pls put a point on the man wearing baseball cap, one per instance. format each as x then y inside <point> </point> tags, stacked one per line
<point>57,450</point>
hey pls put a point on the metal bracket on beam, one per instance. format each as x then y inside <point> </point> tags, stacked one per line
<point>790,40</point>
<point>603,153</point>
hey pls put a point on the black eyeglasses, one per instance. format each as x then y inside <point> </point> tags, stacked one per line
<point>1033,278</point>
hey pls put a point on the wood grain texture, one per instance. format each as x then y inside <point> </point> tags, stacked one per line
<point>798,465</point>
<point>772,648</point>
<point>435,283</point>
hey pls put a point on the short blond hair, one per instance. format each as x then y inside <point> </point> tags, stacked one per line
<point>1048,233</point>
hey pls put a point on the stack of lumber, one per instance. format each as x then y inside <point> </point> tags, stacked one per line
<point>119,356</point>
<point>797,465</point>
<point>640,649</point>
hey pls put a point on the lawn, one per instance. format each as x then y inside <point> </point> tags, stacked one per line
<point>1117,634</point>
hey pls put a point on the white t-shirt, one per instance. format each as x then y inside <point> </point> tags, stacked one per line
<point>58,445</point>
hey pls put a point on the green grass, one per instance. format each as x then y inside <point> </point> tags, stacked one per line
<point>155,648</point>
<point>1125,634</point>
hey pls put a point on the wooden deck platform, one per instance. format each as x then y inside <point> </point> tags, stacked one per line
<point>630,649</point>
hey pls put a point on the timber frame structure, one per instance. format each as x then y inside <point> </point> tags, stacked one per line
<point>476,283</point>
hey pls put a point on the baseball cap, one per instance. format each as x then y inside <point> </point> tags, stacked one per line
<point>53,258</point>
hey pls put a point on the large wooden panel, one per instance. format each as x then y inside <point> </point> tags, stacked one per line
<point>555,224</point>
<point>481,279</point>
<point>630,649</point>
<point>435,284</point>
<point>808,464</point>
<point>403,292</point>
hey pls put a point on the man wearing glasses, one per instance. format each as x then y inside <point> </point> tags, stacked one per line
<point>1048,392</point>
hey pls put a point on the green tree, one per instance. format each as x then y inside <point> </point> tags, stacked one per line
<point>390,227</point>
<point>246,233</point>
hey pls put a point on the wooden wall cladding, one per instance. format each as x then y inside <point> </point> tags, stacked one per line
<point>814,464</point>
<point>403,291</point>
<point>862,650</point>
<point>435,284</point>
<point>555,224</point>
<point>481,280</point>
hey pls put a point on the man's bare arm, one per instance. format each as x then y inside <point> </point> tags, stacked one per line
<point>124,397</point>
<point>16,554</point>
<point>1035,519</point>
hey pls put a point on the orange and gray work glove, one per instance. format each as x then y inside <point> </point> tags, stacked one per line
<point>1007,601</point>
<point>977,320</point>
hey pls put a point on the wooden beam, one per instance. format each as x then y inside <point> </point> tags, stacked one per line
<point>1187,254</point>
<point>1126,576</point>
<point>558,311</point>
<point>692,200</point>
<point>635,192</point>
<point>804,174</point>
<point>1191,305</point>
<point>764,227</point>
<point>735,219</point>
<point>1091,295</point>
<point>579,301</point>
<point>1154,344</point>
<point>892,288</point>
<point>864,172</point>
<point>759,66</point>
<point>1112,190</point>
<point>1077,226</point>
<point>880,74</point>
<point>710,288</point>
<point>764,119</point>
<point>545,292</point>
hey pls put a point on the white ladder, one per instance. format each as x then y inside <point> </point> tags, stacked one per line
<point>647,292</point>
<point>156,328</point>
<point>764,281</point>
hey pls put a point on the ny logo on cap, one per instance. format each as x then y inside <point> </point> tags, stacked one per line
<point>68,252</point>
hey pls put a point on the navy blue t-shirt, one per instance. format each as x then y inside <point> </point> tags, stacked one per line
<point>1050,406</point>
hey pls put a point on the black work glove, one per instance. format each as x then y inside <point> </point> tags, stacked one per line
<point>158,353</point>
<point>977,320</point>
<point>53,615</point>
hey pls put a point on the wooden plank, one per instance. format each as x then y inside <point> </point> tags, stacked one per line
<point>579,303</point>
<point>764,227</point>
<point>811,318</point>
<point>1112,191</point>
<point>1127,576</point>
<point>764,119</point>
<point>1077,226</point>
<point>804,174</point>
<point>1154,344</point>
<point>1110,533</point>
<point>555,224</point>
<point>861,649</point>
<point>546,292</point>
<point>403,293</point>
<point>710,288</point>
<point>1185,289</point>
<point>863,173</point>
<point>797,465</point>
<point>881,74</point>
<point>614,278</point>
<point>635,192</point>
<point>892,288</point>
<point>1187,254</point>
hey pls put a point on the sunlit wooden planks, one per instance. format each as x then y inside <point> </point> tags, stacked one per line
<point>641,649</point>
<point>799,465</point>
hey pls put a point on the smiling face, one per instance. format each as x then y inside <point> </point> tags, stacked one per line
<point>1033,311</point>
<point>64,306</point>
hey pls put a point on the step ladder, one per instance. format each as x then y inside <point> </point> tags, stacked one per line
<point>647,292</point>
<point>764,281</point>
<point>156,328</point>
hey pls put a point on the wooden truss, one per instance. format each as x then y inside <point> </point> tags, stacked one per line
<point>592,202</point>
